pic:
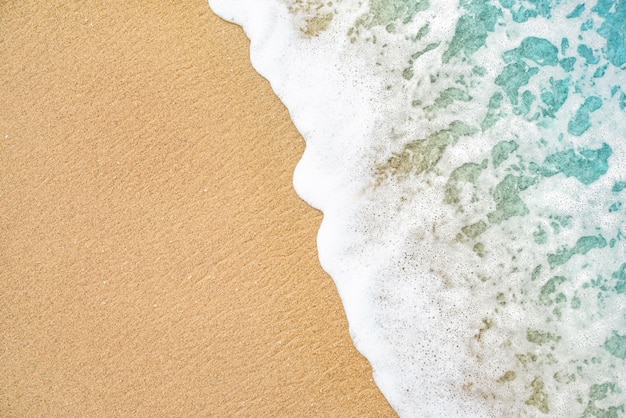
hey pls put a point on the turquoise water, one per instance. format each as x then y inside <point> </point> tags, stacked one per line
<point>469,158</point>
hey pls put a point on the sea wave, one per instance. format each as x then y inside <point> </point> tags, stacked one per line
<point>469,159</point>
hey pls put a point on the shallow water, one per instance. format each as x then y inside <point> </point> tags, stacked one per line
<point>469,159</point>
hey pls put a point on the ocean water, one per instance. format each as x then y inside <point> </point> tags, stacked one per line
<point>470,160</point>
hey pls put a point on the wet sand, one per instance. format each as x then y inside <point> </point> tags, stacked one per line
<point>154,257</point>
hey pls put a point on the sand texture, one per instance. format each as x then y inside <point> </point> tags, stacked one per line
<point>154,257</point>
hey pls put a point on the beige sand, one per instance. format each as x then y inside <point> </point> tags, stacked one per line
<point>154,258</point>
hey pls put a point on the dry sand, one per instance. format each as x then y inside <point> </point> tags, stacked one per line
<point>154,258</point>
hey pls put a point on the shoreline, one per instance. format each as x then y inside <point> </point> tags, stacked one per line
<point>156,259</point>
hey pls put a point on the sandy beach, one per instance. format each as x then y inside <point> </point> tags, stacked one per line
<point>154,257</point>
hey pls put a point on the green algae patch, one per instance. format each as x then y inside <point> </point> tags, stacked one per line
<point>513,77</point>
<point>618,186</point>
<point>616,345</point>
<point>315,15</point>
<point>408,73</point>
<point>501,151</point>
<point>567,64</point>
<point>449,96</point>
<point>472,29</point>
<point>581,121</point>
<point>508,202</point>
<point>583,246</point>
<point>539,397</point>
<point>540,236</point>
<point>599,392</point>
<point>508,376</point>
<point>524,108</point>
<point>577,11</point>
<point>522,11</point>
<point>586,165</point>
<point>587,53</point>
<point>468,172</point>
<point>538,337</point>
<point>423,155</point>
<point>474,230</point>
<point>479,249</point>
<point>620,276</point>
<point>493,113</point>
<point>385,12</point>
<point>613,29</point>
<point>526,359</point>
<point>600,71</point>
<point>555,97</point>
<point>539,50</point>
<point>549,288</point>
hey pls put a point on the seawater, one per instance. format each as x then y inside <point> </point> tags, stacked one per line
<point>470,160</point>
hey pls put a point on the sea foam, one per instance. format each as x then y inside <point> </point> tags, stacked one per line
<point>469,158</point>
